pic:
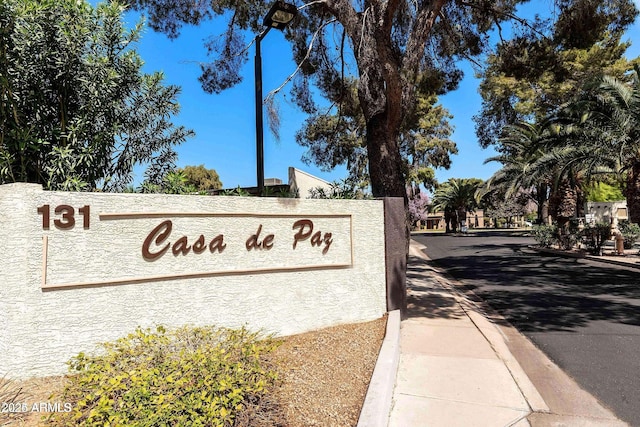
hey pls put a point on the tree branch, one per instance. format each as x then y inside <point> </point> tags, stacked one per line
<point>509,15</point>
<point>272,93</point>
<point>312,3</point>
<point>344,12</point>
<point>390,11</point>
<point>420,32</point>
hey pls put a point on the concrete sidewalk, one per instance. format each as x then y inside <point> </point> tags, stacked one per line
<point>456,368</point>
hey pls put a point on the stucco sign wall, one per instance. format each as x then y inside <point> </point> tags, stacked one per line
<point>84,268</point>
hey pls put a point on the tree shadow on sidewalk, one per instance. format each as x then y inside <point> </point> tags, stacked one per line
<point>433,305</point>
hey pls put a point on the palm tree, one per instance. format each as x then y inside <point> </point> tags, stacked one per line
<point>456,197</point>
<point>524,146</point>
<point>603,137</point>
<point>617,111</point>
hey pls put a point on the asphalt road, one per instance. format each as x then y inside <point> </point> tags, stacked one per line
<point>584,315</point>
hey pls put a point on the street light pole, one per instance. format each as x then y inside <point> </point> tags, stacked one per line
<point>279,16</point>
<point>259,114</point>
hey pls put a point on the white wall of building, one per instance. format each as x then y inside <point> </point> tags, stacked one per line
<point>607,211</point>
<point>302,183</point>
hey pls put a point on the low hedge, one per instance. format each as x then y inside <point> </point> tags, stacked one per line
<point>193,376</point>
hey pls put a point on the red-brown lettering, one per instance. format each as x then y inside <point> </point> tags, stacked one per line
<point>199,245</point>
<point>301,235</point>
<point>305,230</point>
<point>158,235</point>
<point>181,246</point>
<point>316,239</point>
<point>327,242</point>
<point>267,243</point>
<point>254,242</point>
<point>217,244</point>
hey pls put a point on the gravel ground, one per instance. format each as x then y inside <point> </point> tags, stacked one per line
<point>324,377</point>
<point>327,373</point>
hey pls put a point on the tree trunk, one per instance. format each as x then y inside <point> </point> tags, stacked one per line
<point>581,201</point>
<point>633,192</point>
<point>541,212</point>
<point>385,162</point>
<point>448,216</point>
<point>563,202</point>
<point>542,199</point>
<point>455,221</point>
<point>462,217</point>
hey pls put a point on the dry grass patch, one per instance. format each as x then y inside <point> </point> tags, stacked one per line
<point>31,392</point>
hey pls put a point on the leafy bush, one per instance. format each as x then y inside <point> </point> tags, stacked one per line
<point>630,232</point>
<point>604,192</point>
<point>569,236</point>
<point>344,189</point>
<point>236,192</point>
<point>545,235</point>
<point>194,376</point>
<point>595,236</point>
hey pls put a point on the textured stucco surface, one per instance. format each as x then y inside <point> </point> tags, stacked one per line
<point>43,329</point>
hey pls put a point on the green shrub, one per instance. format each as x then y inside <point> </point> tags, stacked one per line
<point>595,236</point>
<point>236,192</point>
<point>194,376</point>
<point>630,232</point>
<point>545,235</point>
<point>568,236</point>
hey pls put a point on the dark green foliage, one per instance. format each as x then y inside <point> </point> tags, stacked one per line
<point>456,197</point>
<point>236,192</point>
<point>546,64</point>
<point>569,235</point>
<point>630,232</point>
<point>595,236</point>
<point>77,112</point>
<point>338,136</point>
<point>201,178</point>
<point>194,376</point>
<point>343,189</point>
<point>545,235</point>
<point>582,23</point>
<point>175,182</point>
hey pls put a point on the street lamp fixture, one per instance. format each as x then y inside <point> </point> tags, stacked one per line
<point>279,16</point>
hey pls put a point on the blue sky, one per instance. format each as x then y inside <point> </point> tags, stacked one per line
<point>225,123</point>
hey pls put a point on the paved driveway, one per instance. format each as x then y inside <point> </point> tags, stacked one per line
<point>584,315</point>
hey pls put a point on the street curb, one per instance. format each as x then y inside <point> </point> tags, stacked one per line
<point>493,334</point>
<point>377,403</point>
<point>496,339</point>
<point>584,256</point>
